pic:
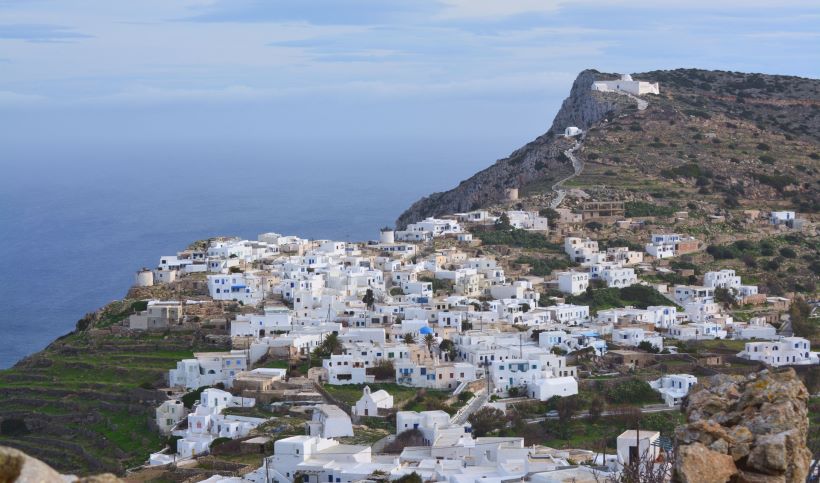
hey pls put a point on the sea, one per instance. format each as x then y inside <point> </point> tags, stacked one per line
<point>77,223</point>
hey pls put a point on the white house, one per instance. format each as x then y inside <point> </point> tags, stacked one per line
<point>235,286</point>
<point>693,293</point>
<point>321,460</point>
<point>637,444</point>
<point>446,375</point>
<point>781,217</point>
<point>345,369</point>
<point>432,425</point>
<point>784,352</point>
<point>169,414</point>
<point>329,421</point>
<point>274,320</point>
<point>158,315</point>
<point>572,131</point>
<point>662,245</point>
<point>573,283</point>
<point>569,314</point>
<point>674,387</point>
<point>725,278</point>
<point>753,330</point>
<point>532,377</point>
<point>208,369</point>
<point>697,331</point>
<point>370,403</point>
<point>619,277</point>
<point>580,250</point>
<point>528,220</point>
<point>633,336</point>
<point>207,423</point>
<point>626,84</point>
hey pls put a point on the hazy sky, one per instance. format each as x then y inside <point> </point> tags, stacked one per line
<point>82,73</point>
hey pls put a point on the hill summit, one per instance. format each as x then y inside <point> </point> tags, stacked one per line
<point>727,138</point>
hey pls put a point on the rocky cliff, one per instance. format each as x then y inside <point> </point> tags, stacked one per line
<point>540,160</point>
<point>729,139</point>
<point>745,429</point>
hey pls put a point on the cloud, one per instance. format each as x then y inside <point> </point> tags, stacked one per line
<point>465,9</point>
<point>339,12</point>
<point>41,33</point>
<point>9,98</point>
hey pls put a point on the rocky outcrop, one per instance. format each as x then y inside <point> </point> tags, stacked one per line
<point>18,467</point>
<point>539,160</point>
<point>745,429</point>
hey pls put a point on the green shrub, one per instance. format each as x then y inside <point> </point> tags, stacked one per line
<point>631,391</point>
<point>515,238</point>
<point>643,208</point>
<point>190,398</point>
<point>544,266</point>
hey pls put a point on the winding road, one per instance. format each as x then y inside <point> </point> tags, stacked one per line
<point>577,167</point>
<point>577,164</point>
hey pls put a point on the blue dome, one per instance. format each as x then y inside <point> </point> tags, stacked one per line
<point>425,330</point>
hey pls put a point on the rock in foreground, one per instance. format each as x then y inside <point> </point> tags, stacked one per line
<point>745,429</point>
<point>18,467</point>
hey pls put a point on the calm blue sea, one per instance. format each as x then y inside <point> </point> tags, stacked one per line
<point>88,195</point>
<point>74,231</point>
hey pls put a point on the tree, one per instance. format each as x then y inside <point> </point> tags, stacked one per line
<point>330,345</point>
<point>596,407</point>
<point>13,427</point>
<point>486,420</point>
<point>409,339</point>
<point>594,226</point>
<point>384,369</point>
<point>802,325</point>
<point>566,407</point>
<point>550,215</point>
<point>369,299</point>
<point>725,296</point>
<point>429,341</point>
<point>503,223</point>
<point>411,437</point>
<point>647,346</point>
<point>411,478</point>
<point>448,347</point>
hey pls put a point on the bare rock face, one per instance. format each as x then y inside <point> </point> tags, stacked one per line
<point>18,467</point>
<point>745,429</point>
<point>539,160</point>
<point>700,464</point>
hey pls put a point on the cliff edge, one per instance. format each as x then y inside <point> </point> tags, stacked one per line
<point>540,160</point>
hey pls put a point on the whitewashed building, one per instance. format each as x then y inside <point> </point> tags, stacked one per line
<point>371,402</point>
<point>329,421</point>
<point>784,352</point>
<point>674,387</point>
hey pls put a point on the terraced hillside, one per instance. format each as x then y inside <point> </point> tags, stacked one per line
<point>85,403</point>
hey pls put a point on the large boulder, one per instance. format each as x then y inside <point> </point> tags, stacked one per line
<point>18,467</point>
<point>745,429</point>
<point>699,464</point>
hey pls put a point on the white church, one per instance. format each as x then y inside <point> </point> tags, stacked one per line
<point>626,84</point>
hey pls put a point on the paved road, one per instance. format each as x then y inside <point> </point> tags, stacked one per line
<point>474,405</point>
<point>577,164</point>
<point>577,168</point>
<point>652,408</point>
<point>642,104</point>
